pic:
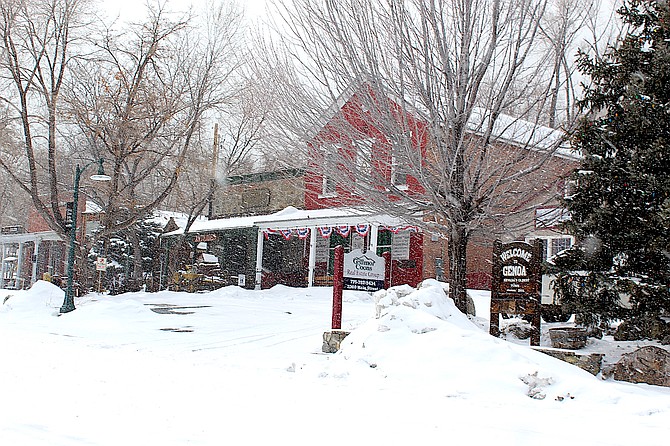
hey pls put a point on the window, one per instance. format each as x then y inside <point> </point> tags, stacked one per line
<point>401,145</point>
<point>553,245</point>
<point>384,241</point>
<point>398,173</point>
<point>363,163</point>
<point>328,188</point>
<point>560,244</point>
<point>569,189</point>
<point>329,185</point>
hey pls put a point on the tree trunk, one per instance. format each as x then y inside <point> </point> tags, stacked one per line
<point>175,260</point>
<point>137,275</point>
<point>458,241</point>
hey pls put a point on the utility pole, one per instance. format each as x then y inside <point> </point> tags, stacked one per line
<point>215,160</point>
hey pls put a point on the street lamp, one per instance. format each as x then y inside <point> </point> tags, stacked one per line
<point>68,303</point>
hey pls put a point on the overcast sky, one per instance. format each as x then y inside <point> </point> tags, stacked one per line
<point>129,9</point>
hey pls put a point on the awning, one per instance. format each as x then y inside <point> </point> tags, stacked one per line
<point>292,218</point>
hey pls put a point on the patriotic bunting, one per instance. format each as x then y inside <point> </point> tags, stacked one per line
<point>363,229</point>
<point>302,233</point>
<point>325,231</point>
<point>344,230</point>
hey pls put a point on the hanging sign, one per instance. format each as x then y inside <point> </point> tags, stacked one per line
<point>400,245</point>
<point>204,238</point>
<point>357,243</point>
<point>363,271</point>
<point>322,249</point>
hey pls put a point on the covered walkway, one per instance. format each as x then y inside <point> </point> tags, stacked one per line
<point>302,241</point>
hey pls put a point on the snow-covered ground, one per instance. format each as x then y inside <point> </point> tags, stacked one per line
<point>245,368</point>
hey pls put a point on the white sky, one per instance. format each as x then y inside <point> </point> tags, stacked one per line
<point>129,9</point>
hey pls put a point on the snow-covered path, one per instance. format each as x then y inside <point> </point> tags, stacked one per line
<point>245,368</point>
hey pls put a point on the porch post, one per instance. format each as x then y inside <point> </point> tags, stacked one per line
<point>36,255</point>
<point>259,259</point>
<point>312,256</point>
<point>19,266</point>
<point>374,233</point>
<point>2,269</point>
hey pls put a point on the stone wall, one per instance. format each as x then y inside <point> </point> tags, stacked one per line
<point>259,194</point>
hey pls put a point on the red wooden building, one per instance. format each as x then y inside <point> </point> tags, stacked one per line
<point>259,244</point>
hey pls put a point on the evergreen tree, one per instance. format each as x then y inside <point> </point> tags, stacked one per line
<point>620,207</point>
<point>121,256</point>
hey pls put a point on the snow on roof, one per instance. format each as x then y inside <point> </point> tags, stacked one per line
<point>163,217</point>
<point>523,132</point>
<point>222,223</point>
<point>92,208</point>
<point>293,218</point>
<point>512,129</point>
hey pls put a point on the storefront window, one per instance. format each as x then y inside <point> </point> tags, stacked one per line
<point>384,242</point>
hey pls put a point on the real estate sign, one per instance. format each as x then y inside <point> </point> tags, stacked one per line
<point>363,271</point>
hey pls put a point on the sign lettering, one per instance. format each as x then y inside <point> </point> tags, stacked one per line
<point>515,288</point>
<point>363,271</point>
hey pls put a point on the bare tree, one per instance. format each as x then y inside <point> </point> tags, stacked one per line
<point>242,130</point>
<point>140,100</point>
<point>452,94</point>
<point>232,151</point>
<point>570,26</point>
<point>13,210</point>
<point>36,41</point>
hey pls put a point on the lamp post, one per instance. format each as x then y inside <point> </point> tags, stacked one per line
<point>68,303</point>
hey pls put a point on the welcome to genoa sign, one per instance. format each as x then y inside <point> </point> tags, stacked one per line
<point>363,271</point>
<point>516,284</point>
<point>516,270</point>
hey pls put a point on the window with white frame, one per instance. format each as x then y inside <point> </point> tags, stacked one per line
<point>362,172</point>
<point>560,244</point>
<point>553,245</point>
<point>363,157</point>
<point>569,188</point>
<point>398,172</point>
<point>329,185</point>
<point>400,147</point>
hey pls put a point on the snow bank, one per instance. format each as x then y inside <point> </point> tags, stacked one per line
<point>418,335</point>
<point>42,297</point>
<point>236,366</point>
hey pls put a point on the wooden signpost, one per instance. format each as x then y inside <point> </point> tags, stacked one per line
<point>516,284</point>
<point>356,270</point>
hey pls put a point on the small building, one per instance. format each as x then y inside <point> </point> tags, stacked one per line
<point>34,251</point>
<point>295,247</point>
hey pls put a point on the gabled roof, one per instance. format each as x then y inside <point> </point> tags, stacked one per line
<point>507,128</point>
